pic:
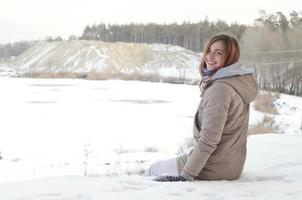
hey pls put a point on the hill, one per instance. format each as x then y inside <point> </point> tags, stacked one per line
<point>102,60</point>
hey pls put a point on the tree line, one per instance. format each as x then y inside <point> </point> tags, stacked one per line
<point>188,35</point>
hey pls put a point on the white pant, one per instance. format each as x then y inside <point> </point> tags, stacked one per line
<point>163,167</point>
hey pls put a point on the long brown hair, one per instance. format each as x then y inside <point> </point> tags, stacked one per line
<point>231,47</point>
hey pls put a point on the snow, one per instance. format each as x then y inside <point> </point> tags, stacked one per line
<point>53,131</point>
<point>290,113</point>
<point>6,71</point>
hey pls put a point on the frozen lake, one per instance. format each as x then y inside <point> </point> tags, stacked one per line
<point>52,121</point>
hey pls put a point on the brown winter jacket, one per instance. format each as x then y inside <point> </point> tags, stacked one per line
<point>221,125</point>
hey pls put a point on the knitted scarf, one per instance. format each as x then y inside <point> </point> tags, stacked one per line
<point>206,80</point>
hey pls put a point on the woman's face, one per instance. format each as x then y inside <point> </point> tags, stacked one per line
<point>216,55</point>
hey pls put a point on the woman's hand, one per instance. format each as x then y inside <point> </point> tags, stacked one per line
<point>182,177</point>
<point>168,178</point>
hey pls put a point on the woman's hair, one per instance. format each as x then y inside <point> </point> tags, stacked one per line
<point>231,48</point>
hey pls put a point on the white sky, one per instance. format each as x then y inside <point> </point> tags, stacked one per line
<point>36,19</point>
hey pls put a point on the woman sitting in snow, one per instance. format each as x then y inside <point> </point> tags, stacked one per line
<point>221,121</point>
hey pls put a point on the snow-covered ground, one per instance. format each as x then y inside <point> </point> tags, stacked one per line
<point>53,131</point>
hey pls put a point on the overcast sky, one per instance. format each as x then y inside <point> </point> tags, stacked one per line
<point>36,19</point>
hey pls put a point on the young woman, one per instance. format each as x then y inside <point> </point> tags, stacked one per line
<point>221,121</point>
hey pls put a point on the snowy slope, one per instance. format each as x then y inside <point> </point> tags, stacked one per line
<point>86,56</point>
<point>51,127</point>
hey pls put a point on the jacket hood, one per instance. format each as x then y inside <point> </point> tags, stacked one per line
<point>244,83</point>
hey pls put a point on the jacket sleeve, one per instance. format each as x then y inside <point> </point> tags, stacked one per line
<point>216,103</point>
